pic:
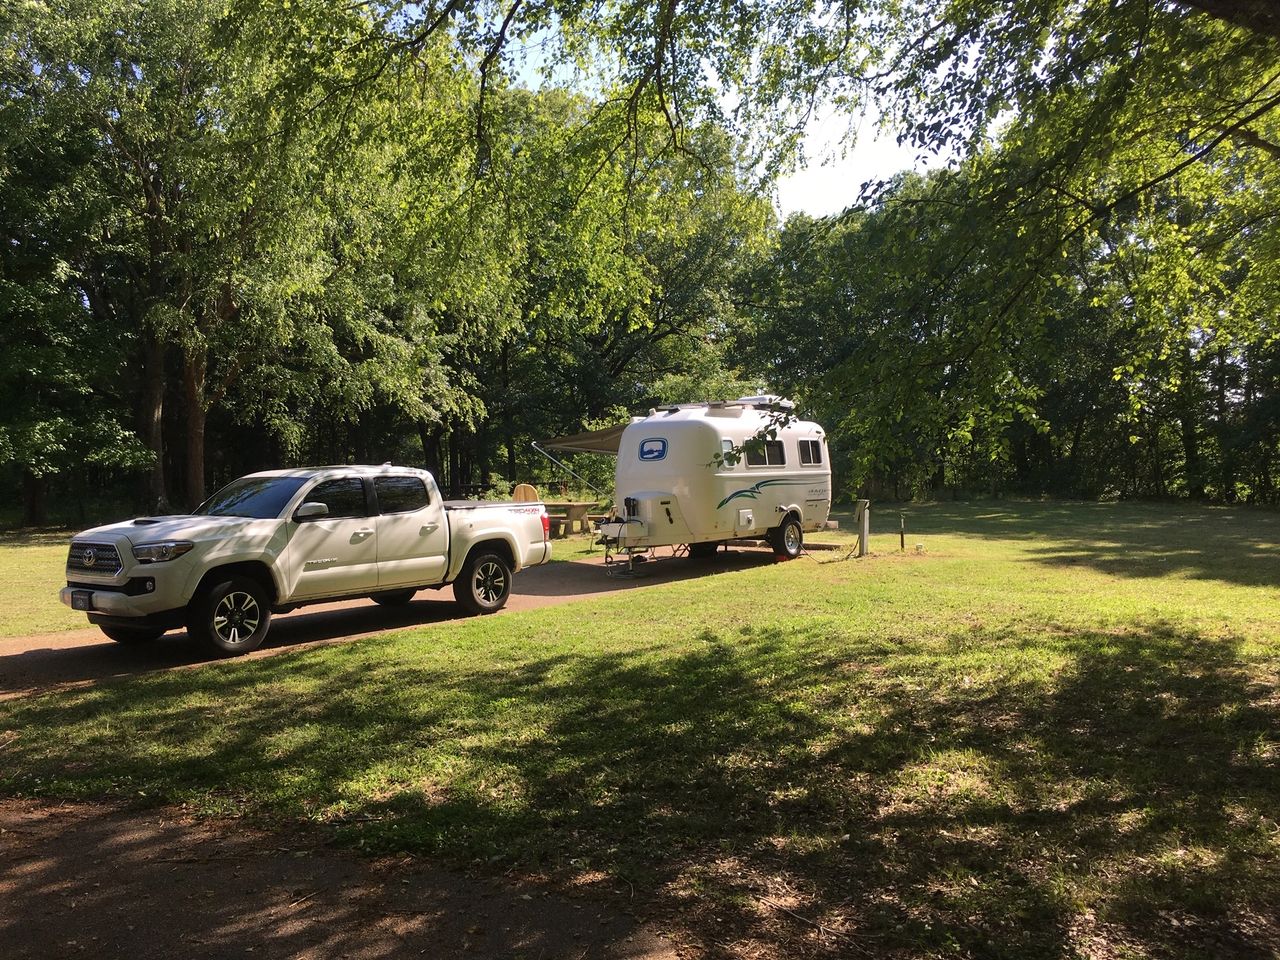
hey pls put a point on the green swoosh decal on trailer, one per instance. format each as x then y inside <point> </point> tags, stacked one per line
<point>754,491</point>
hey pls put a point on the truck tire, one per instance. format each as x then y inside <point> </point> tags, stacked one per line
<point>231,616</point>
<point>484,584</point>
<point>394,598</point>
<point>703,551</point>
<point>131,634</point>
<point>787,539</point>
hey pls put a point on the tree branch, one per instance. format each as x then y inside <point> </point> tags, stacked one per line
<point>1257,16</point>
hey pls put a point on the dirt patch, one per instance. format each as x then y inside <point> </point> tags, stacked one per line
<point>104,881</point>
<point>74,657</point>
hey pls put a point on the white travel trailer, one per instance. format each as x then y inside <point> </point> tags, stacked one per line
<point>671,489</point>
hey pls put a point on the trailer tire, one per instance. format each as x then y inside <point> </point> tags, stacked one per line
<point>787,539</point>
<point>220,612</point>
<point>484,584</point>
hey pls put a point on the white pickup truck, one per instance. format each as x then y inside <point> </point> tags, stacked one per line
<point>273,541</point>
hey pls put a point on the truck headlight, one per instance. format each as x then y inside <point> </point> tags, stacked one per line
<point>161,551</point>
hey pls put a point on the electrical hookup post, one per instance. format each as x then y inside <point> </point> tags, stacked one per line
<point>862,517</point>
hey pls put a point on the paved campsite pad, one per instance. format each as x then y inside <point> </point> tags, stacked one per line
<point>104,881</point>
<point>35,663</point>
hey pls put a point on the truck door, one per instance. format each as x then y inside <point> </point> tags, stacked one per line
<point>413,537</point>
<point>337,554</point>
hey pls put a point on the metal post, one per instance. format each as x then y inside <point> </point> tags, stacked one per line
<point>862,514</point>
<point>902,532</point>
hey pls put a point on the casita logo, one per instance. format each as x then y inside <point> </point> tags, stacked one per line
<point>655,448</point>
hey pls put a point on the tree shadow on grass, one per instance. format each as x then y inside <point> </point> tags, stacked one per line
<point>1120,799</point>
<point>1231,544</point>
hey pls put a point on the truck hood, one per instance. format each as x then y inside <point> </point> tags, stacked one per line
<point>181,527</point>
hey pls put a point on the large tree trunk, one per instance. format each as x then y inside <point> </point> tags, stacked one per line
<point>153,421</point>
<point>1157,458</point>
<point>1187,416</point>
<point>482,458</point>
<point>455,464</point>
<point>1260,16</point>
<point>193,384</point>
<point>1191,453</point>
<point>1073,458</point>
<point>1226,449</point>
<point>34,499</point>
<point>430,437</point>
<point>508,414</point>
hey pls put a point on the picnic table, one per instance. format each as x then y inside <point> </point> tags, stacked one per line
<point>573,511</point>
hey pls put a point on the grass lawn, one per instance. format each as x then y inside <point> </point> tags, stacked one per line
<point>32,571</point>
<point>1055,732</point>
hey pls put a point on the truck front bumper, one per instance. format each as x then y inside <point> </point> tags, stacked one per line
<point>111,602</point>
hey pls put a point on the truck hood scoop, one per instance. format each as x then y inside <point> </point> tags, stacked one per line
<point>151,521</point>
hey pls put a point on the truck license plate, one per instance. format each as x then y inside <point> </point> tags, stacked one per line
<point>81,599</point>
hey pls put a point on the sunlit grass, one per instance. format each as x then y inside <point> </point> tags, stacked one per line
<point>32,571</point>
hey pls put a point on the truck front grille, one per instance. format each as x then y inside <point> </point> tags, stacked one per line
<point>101,559</point>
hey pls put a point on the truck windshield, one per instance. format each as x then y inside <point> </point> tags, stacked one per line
<point>261,498</point>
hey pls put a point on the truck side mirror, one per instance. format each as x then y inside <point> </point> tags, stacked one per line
<point>311,510</point>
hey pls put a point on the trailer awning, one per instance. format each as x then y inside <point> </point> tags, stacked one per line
<point>593,441</point>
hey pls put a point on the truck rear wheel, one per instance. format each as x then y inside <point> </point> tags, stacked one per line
<point>484,584</point>
<point>131,634</point>
<point>787,539</point>
<point>231,616</point>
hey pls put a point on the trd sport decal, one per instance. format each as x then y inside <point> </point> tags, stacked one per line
<point>753,491</point>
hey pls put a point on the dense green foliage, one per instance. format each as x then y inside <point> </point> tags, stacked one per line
<point>349,277</point>
<point>243,235</point>
<point>1143,360</point>
<point>1084,303</point>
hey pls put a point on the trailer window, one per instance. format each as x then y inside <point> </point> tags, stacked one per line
<point>810,452</point>
<point>765,453</point>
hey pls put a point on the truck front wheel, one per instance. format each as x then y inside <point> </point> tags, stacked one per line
<point>484,584</point>
<point>231,616</point>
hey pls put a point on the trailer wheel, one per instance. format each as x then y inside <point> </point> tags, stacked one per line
<point>484,584</point>
<point>787,539</point>
<point>703,551</point>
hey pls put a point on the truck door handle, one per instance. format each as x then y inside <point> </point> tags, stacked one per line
<point>362,533</point>
<point>430,527</point>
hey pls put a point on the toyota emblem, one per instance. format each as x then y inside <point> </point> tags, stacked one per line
<point>90,557</point>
